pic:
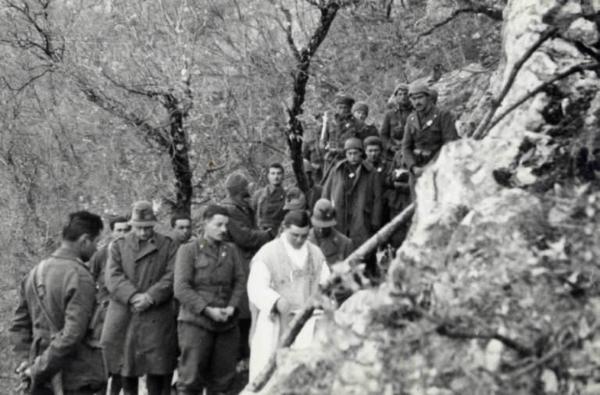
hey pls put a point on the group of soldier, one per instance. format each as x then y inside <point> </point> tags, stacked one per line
<point>149,304</point>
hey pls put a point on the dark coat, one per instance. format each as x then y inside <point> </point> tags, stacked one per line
<point>394,201</point>
<point>247,238</point>
<point>68,295</point>
<point>393,124</point>
<point>423,138</point>
<point>383,169</point>
<point>208,276</point>
<point>338,130</point>
<point>268,204</point>
<point>357,200</point>
<point>140,343</point>
<point>336,247</point>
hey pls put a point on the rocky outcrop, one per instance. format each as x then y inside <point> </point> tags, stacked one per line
<point>495,289</point>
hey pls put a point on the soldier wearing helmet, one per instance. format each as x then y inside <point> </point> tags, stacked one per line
<point>335,246</point>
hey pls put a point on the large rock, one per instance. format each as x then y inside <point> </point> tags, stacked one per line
<point>494,290</point>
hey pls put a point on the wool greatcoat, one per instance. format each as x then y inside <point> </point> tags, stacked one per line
<point>356,195</point>
<point>136,344</point>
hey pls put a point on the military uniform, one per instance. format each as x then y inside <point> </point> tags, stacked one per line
<point>207,274</point>
<point>355,192</point>
<point>382,169</point>
<point>268,204</point>
<point>97,266</point>
<point>336,247</point>
<point>337,131</point>
<point>314,155</point>
<point>424,136</point>
<point>392,128</point>
<point>248,239</point>
<point>67,347</point>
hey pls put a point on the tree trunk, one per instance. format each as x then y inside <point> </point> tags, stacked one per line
<point>180,160</point>
<point>295,131</point>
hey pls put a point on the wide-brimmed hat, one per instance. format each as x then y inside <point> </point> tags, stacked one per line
<point>142,214</point>
<point>323,214</point>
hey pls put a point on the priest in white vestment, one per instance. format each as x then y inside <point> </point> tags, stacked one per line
<point>284,274</point>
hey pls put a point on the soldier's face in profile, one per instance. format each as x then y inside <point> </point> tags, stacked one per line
<point>354,156</point>
<point>120,229</point>
<point>420,101</point>
<point>275,176</point>
<point>296,236</point>
<point>215,228</point>
<point>143,232</point>
<point>88,246</point>
<point>373,152</point>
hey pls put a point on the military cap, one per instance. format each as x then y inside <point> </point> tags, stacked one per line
<point>361,106</point>
<point>142,214</point>
<point>323,214</point>
<point>353,143</point>
<point>401,87</point>
<point>345,100</point>
<point>418,87</point>
<point>373,140</point>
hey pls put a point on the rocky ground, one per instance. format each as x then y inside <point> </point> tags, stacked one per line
<point>495,290</point>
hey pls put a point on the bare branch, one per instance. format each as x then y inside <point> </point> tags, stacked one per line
<point>134,90</point>
<point>118,109</point>
<point>287,27</point>
<point>571,70</point>
<point>31,80</point>
<point>482,129</point>
<point>490,12</point>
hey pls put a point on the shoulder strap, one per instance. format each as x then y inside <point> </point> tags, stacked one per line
<point>38,285</point>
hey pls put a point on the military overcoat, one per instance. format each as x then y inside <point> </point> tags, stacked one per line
<point>140,343</point>
<point>356,196</point>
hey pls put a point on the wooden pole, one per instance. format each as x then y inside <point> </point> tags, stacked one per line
<point>302,317</point>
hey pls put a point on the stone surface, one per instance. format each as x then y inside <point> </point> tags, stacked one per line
<point>482,262</point>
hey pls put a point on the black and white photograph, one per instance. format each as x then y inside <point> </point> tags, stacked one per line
<point>300,197</point>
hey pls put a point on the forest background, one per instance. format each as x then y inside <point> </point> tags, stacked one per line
<point>103,102</point>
